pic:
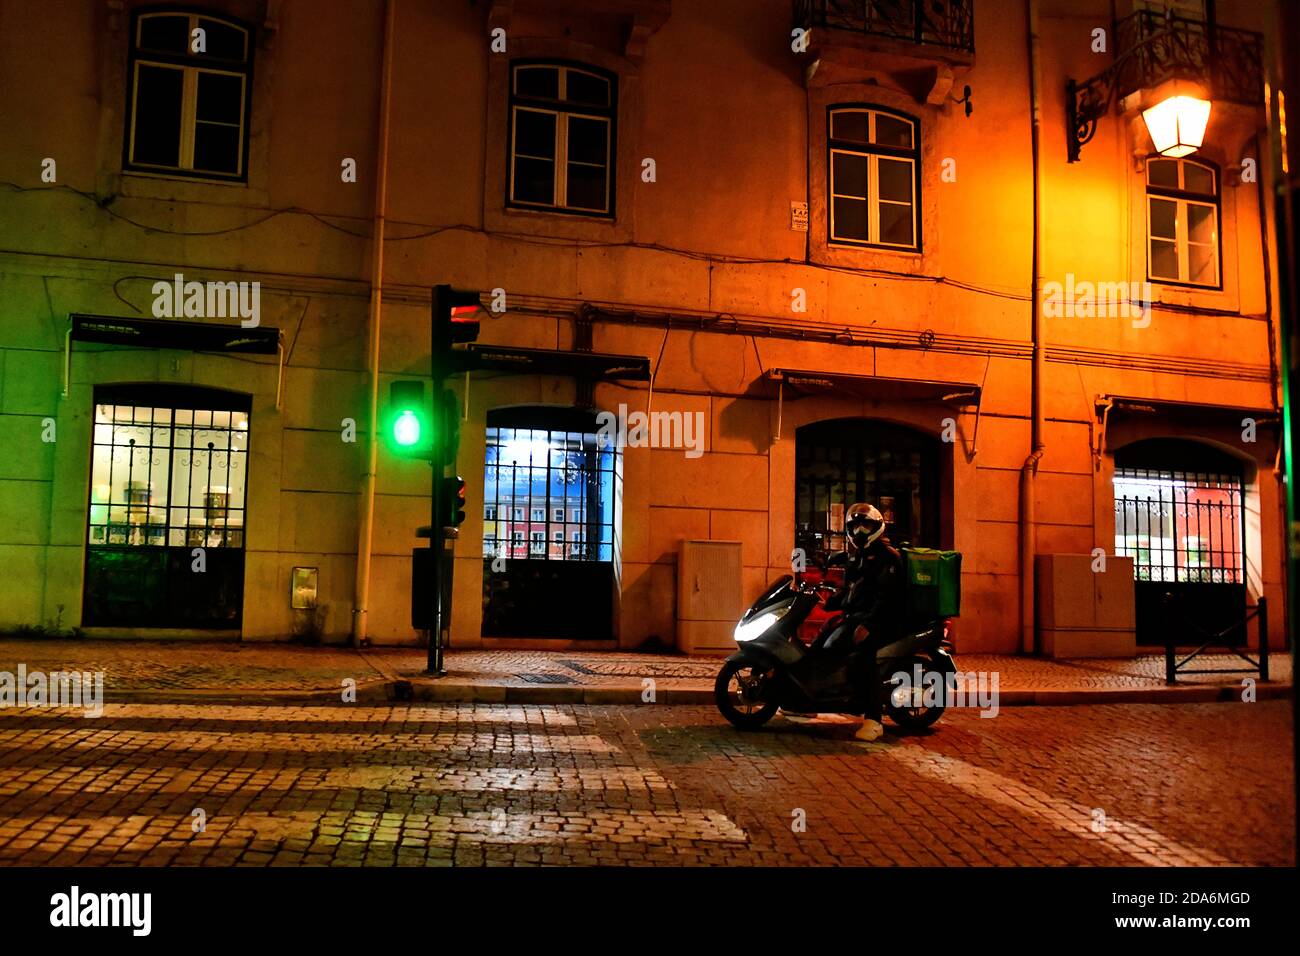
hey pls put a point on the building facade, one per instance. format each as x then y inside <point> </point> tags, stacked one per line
<point>849,243</point>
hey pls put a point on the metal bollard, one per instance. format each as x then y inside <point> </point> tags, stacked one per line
<point>1263,638</point>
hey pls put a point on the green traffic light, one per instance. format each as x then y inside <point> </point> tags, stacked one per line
<point>406,429</point>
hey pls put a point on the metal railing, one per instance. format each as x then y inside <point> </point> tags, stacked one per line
<point>1177,625</point>
<point>942,23</point>
<point>1180,526</point>
<point>1169,47</point>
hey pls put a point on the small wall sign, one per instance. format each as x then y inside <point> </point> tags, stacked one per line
<point>799,216</point>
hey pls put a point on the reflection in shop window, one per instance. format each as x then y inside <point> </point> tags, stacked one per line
<point>168,477</point>
<point>555,473</point>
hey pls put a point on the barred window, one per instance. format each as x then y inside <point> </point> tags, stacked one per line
<point>187,107</point>
<point>549,474</point>
<point>168,477</point>
<point>1180,525</point>
<point>874,163</point>
<point>562,138</point>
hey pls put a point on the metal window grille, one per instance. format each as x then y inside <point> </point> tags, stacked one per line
<point>839,463</point>
<point>1181,526</point>
<point>552,492</point>
<point>168,477</point>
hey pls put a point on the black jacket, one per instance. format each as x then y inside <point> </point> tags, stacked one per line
<point>873,588</point>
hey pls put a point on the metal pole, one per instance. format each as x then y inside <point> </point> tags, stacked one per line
<point>1170,665</point>
<point>1263,639</point>
<point>1286,163</point>
<point>441,309</point>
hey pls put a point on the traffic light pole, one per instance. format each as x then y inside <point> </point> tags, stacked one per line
<point>454,320</point>
<point>439,349</point>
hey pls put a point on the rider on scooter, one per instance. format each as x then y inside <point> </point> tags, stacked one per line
<point>872,602</point>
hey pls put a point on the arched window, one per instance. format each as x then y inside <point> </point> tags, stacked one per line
<point>874,167</point>
<point>1182,222</point>
<point>562,138</point>
<point>187,107</point>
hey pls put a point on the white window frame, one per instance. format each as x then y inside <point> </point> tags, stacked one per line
<point>1182,241</point>
<point>189,97</point>
<point>538,514</point>
<point>560,162</point>
<point>489,512</point>
<point>872,199</point>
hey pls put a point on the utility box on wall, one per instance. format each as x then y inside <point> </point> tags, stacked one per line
<point>710,596</point>
<point>1082,612</point>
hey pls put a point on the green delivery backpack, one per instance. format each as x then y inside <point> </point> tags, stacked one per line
<point>932,584</point>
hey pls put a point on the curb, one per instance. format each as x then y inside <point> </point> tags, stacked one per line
<point>400,690</point>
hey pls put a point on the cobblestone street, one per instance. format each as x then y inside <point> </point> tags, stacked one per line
<point>467,784</point>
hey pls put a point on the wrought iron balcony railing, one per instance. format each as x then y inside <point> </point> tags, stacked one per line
<point>949,24</point>
<point>1164,47</point>
<point>1151,48</point>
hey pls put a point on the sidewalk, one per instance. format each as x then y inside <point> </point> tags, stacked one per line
<point>184,671</point>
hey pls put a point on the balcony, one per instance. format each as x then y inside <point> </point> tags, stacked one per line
<point>947,24</point>
<point>915,45</point>
<point>1158,53</point>
<point>1229,62</point>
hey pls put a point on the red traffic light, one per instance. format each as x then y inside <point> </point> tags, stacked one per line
<point>456,315</point>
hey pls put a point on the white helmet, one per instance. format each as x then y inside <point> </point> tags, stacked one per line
<point>863,524</point>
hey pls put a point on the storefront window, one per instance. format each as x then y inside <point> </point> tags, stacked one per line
<point>562,481</point>
<point>1179,526</point>
<point>168,477</point>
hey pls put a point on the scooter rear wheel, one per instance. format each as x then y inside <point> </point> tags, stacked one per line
<point>908,706</point>
<point>736,692</point>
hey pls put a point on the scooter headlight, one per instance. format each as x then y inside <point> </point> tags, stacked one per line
<point>755,627</point>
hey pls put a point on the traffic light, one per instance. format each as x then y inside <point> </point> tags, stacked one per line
<point>456,315</point>
<point>407,422</point>
<point>453,489</point>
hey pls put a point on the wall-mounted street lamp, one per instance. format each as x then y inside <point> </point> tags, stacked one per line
<point>1177,124</point>
<point>1168,65</point>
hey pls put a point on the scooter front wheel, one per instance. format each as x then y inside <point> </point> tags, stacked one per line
<point>738,693</point>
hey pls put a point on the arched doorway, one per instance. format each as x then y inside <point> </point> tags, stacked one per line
<point>551,492</point>
<point>1180,514</point>
<point>840,461</point>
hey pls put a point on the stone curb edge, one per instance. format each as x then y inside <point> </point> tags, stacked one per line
<point>441,691</point>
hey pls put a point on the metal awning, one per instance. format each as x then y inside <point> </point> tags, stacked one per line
<point>525,361</point>
<point>1195,418</point>
<point>172,334</point>
<point>1125,403</point>
<point>797,383</point>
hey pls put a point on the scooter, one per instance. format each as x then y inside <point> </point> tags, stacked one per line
<point>773,668</point>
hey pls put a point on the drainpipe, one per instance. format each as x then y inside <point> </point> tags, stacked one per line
<point>366,534</point>
<point>1029,469</point>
